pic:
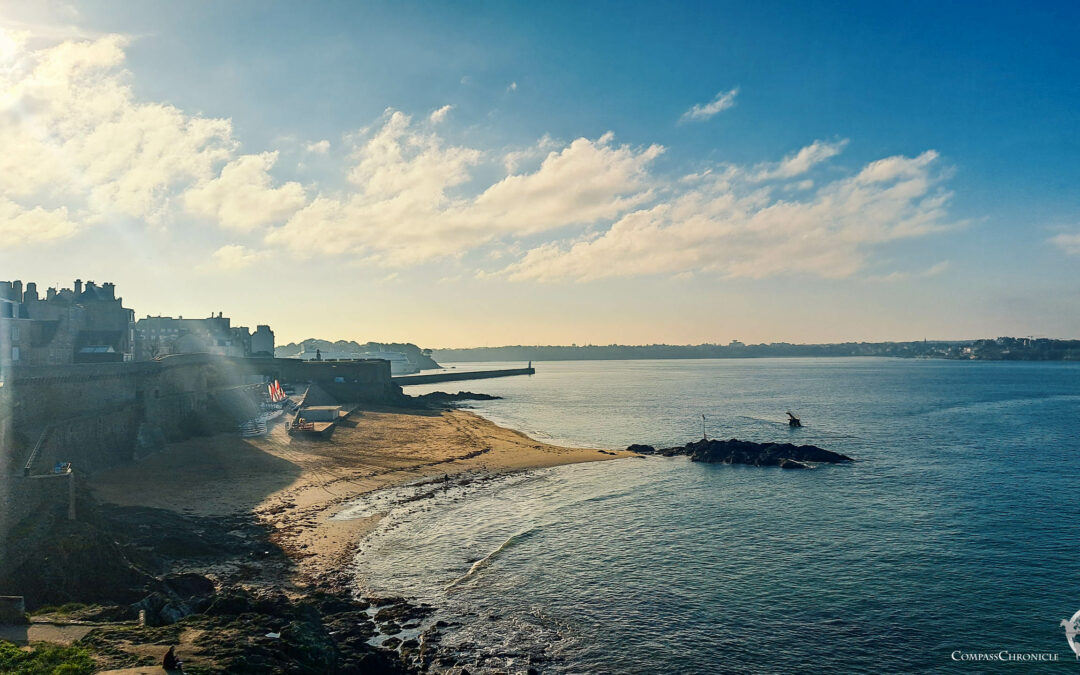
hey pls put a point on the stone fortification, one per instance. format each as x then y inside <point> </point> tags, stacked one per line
<point>98,415</point>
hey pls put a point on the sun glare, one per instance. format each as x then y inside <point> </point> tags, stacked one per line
<point>9,46</point>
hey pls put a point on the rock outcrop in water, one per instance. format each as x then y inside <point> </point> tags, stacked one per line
<point>443,397</point>
<point>734,451</point>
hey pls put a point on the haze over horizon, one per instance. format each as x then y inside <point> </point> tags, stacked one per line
<point>484,174</point>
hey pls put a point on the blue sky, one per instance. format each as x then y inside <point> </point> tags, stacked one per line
<point>865,171</point>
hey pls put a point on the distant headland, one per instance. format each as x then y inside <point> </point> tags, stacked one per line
<point>999,349</point>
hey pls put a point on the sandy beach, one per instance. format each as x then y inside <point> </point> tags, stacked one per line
<point>296,485</point>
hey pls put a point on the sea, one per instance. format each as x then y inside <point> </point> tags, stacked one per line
<point>956,533</point>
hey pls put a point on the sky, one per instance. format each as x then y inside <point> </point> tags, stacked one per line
<point>487,173</point>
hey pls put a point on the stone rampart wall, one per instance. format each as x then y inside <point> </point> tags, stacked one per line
<point>21,498</point>
<point>99,415</point>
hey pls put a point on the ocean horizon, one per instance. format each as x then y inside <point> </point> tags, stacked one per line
<point>952,534</point>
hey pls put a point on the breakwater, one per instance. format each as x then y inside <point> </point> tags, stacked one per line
<point>405,380</point>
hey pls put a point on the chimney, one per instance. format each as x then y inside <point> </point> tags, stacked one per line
<point>31,292</point>
<point>110,290</point>
<point>17,288</point>
<point>50,294</point>
<point>78,288</point>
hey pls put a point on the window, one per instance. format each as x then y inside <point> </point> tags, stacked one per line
<point>14,354</point>
<point>14,332</point>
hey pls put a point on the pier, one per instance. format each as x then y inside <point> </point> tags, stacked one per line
<point>405,380</point>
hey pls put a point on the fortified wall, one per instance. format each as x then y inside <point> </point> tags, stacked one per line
<point>98,415</point>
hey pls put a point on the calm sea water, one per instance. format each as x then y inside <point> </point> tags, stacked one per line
<point>958,529</point>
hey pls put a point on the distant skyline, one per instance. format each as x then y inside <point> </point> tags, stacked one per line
<point>491,173</point>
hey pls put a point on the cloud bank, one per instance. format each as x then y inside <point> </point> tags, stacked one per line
<point>80,149</point>
<point>729,224</point>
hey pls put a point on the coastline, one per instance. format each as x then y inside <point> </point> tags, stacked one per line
<point>288,490</point>
<point>375,448</point>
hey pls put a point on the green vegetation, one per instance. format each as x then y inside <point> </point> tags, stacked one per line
<point>44,659</point>
<point>69,608</point>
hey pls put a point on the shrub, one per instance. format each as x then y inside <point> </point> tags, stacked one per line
<point>45,659</point>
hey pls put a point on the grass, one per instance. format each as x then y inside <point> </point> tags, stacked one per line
<point>62,609</point>
<point>44,659</point>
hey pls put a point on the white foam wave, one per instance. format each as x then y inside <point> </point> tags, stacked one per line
<point>482,563</point>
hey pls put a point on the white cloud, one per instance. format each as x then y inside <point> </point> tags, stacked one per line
<point>586,182</point>
<point>404,208</point>
<point>75,140</point>
<point>77,147</point>
<point>439,115</point>
<point>734,227</point>
<point>73,134</point>
<point>703,111</point>
<point>934,270</point>
<point>400,161</point>
<point>242,197</point>
<point>515,158</point>
<point>802,161</point>
<point>20,225</point>
<point>233,257</point>
<point>512,86</point>
<point>1069,242</point>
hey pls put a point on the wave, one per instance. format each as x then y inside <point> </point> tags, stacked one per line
<point>482,563</point>
<point>998,404</point>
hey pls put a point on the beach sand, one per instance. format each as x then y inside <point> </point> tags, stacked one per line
<point>295,485</point>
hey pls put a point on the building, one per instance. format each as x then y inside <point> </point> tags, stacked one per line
<point>262,341</point>
<point>14,333</point>
<point>157,336</point>
<point>70,325</point>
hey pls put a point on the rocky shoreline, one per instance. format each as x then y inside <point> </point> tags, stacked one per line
<point>230,550</point>
<point>734,451</point>
<point>147,579</point>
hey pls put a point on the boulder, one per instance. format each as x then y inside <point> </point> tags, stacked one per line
<point>161,610</point>
<point>12,609</point>
<point>189,585</point>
